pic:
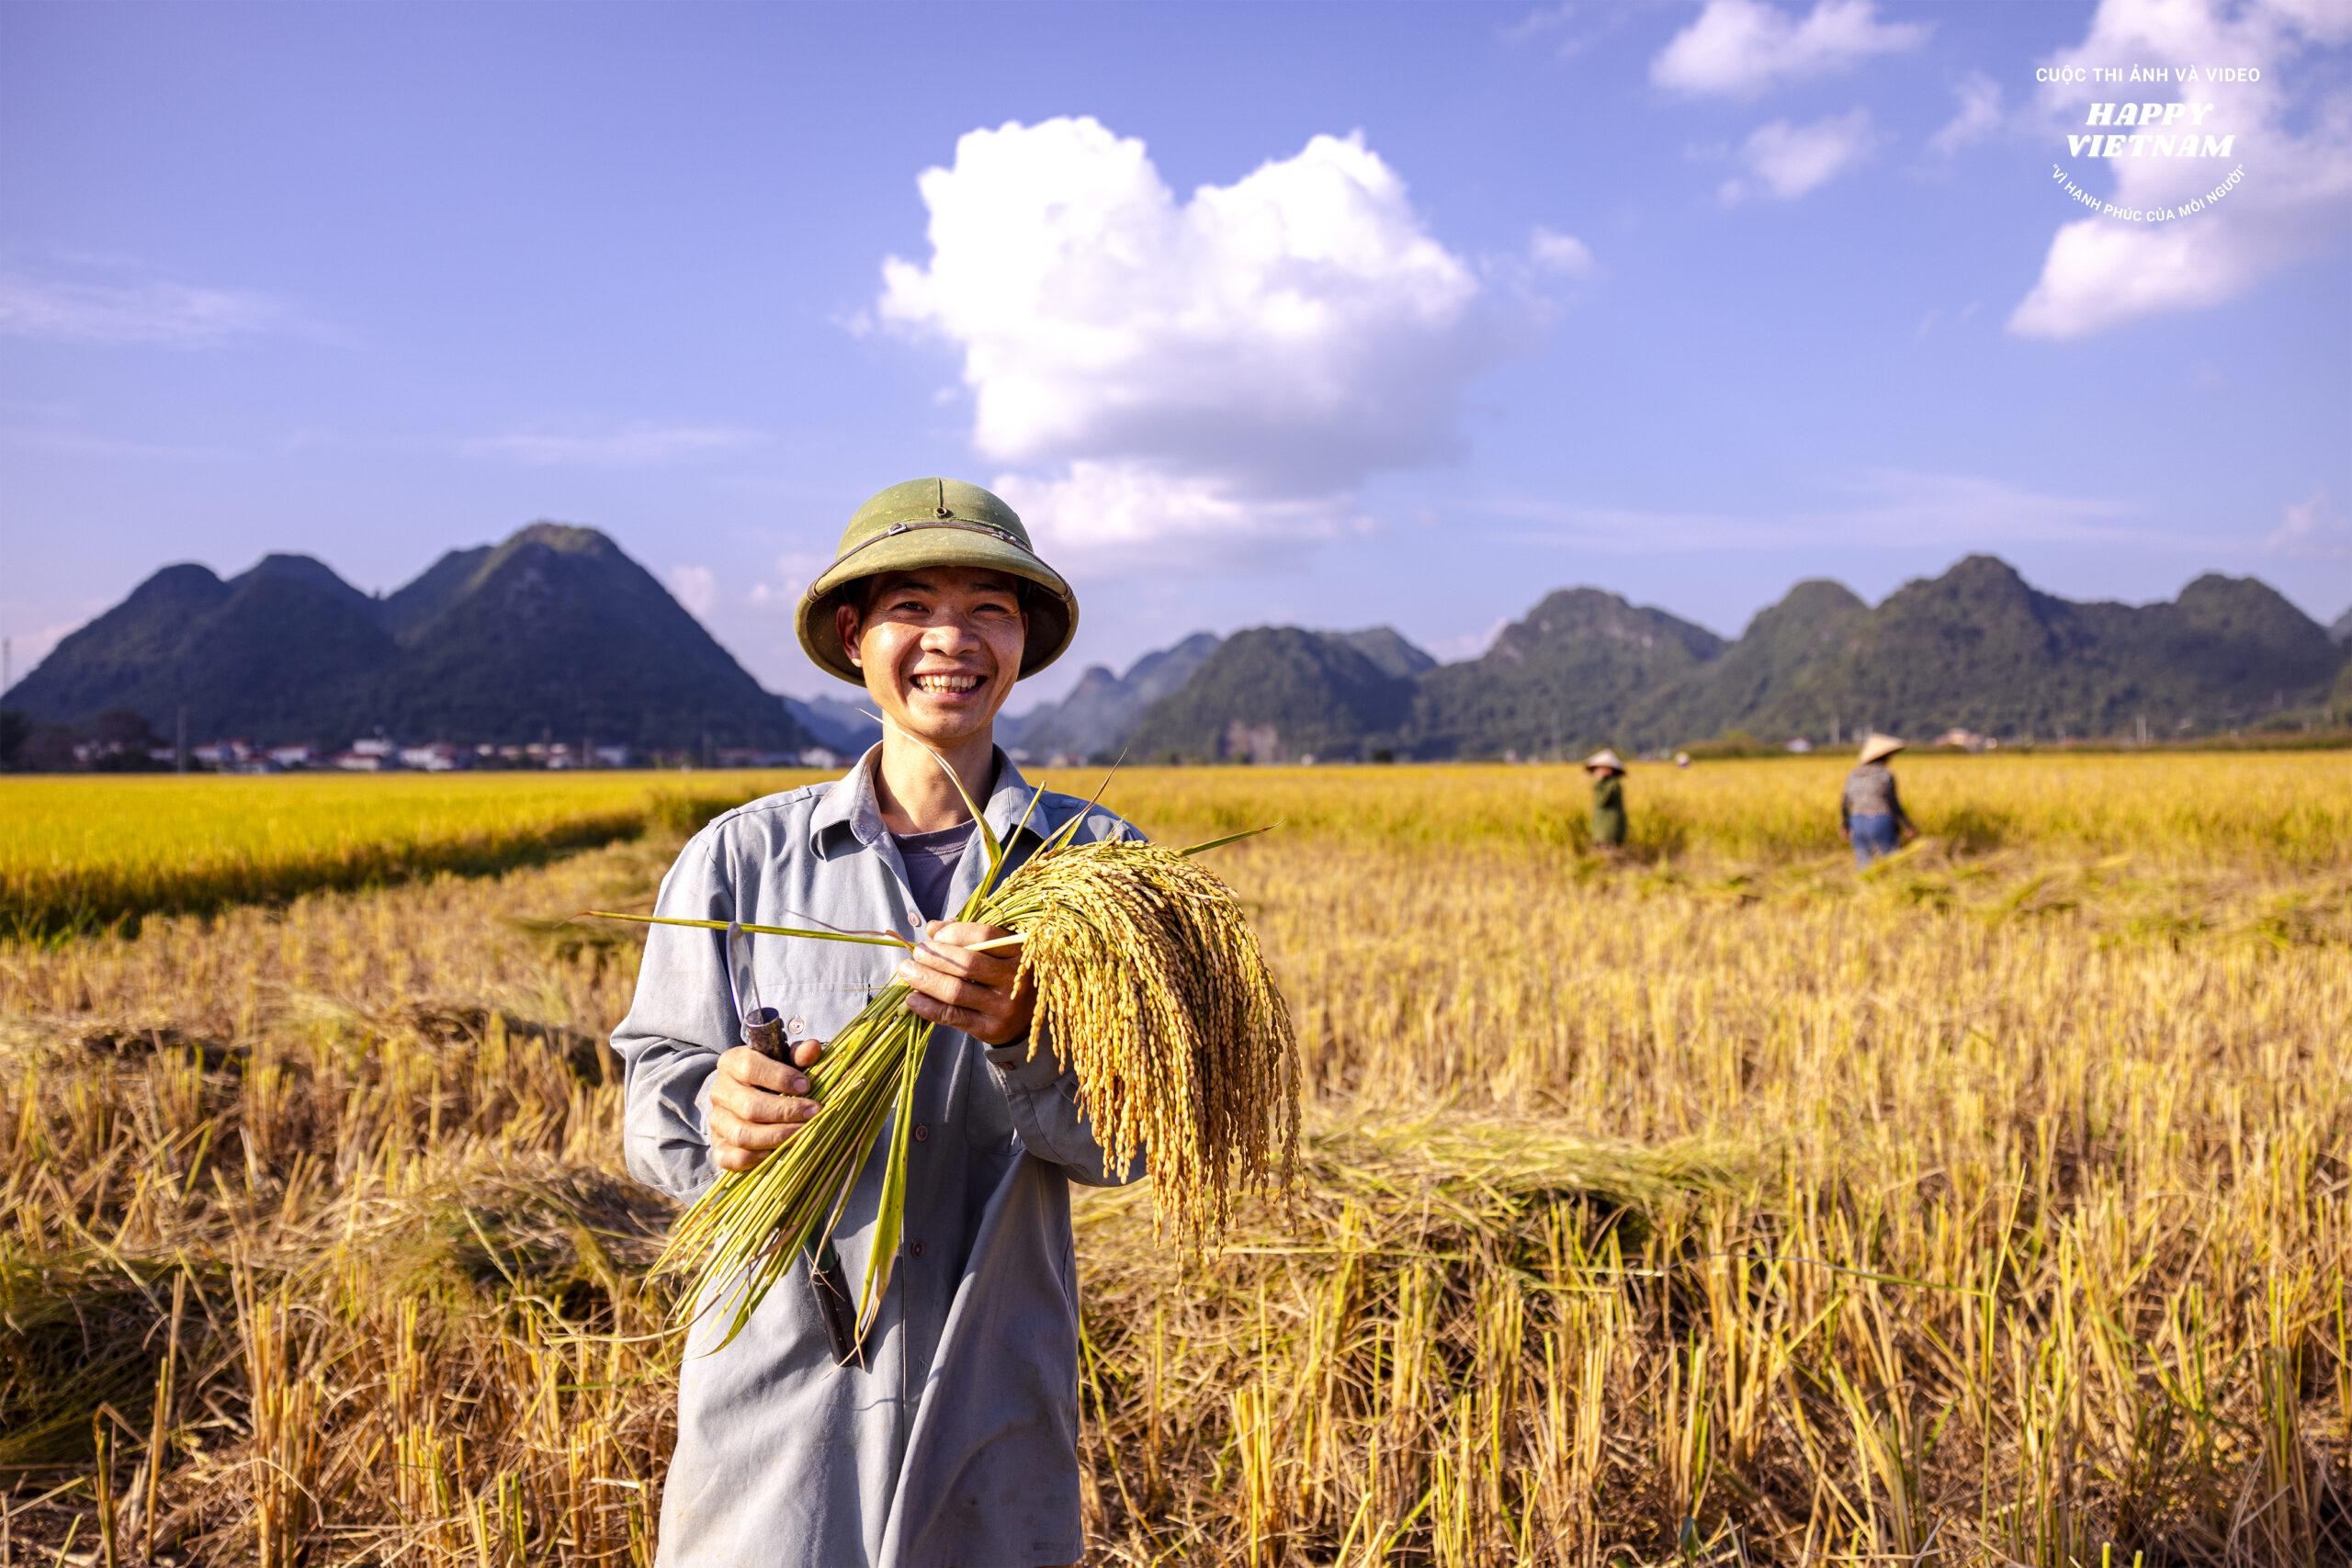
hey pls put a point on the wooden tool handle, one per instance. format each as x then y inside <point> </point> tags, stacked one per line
<point>763,1032</point>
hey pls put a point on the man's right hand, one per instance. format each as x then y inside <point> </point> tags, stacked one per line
<point>757,1103</point>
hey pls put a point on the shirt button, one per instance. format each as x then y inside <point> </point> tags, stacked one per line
<point>796,1026</point>
<point>916,1250</point>
<point>923,1132</point>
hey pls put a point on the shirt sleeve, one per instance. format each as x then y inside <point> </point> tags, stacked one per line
<point>682,1019</point>
<point>1044,1097</point>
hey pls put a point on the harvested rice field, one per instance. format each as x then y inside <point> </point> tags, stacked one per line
<point>1704,1203</point>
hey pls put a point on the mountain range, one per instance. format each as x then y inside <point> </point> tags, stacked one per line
<point>1976,647</point>
<point>553,634</point>
<point>556,633</point>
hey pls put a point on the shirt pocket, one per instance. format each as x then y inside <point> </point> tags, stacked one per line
<point>815,1010</point>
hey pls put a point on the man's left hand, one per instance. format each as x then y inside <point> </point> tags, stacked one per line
<point>971,991</point>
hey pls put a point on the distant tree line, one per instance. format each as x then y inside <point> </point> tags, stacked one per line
<point>116,741</point>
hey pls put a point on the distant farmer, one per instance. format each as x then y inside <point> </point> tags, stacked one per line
<point>953,1442</point>
<point>1870,813</point>
<point>1608,770</point>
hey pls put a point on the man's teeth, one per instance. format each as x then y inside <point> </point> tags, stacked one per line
<point>946,682</point>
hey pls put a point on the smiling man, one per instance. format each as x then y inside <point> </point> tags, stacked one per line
<point>953,1441</point>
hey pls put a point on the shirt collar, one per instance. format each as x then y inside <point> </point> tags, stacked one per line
<point>851,805</point>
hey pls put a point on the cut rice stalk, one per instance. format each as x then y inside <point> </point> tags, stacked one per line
<point>1151,985</point>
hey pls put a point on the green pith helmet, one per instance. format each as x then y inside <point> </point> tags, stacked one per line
<point>936,522</point>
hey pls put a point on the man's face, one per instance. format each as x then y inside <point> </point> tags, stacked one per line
<point>940,648</point>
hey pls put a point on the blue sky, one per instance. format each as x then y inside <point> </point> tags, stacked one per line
<point>1324,315</point>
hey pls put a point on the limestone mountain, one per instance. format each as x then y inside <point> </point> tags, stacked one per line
<point>1563,680</point>
<point>1386,646</point>
<point>1980,647</point>
<point>266,653</point>
<point>1770,681</point>
<point>1096,716</point>
<point>1276,694</point>
<point>411,607</point>
<point>554,632</point>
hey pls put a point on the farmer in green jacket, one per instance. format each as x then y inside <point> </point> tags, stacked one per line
<point>1608,770</point>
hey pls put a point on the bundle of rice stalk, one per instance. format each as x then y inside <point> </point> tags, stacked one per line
<point>1149,984</point>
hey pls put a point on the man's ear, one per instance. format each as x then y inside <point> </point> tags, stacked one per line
<point>846,626</point>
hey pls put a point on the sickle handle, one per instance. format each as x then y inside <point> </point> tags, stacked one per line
<point>763,1032</point>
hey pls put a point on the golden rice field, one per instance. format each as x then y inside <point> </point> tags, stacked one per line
<point>1706,1204</point>
<point>83,851</point>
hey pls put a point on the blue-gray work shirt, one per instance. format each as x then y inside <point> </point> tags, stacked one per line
<point>955,1445</point>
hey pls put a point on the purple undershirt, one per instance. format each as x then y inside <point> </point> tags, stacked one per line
<point>931,860</point>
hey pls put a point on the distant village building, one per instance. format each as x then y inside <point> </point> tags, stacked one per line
<point>291,756</point>
<point>610,756</point>
<point>437,758</point>
<point>1799,744</point>
<point>825,757</point>
<point>357,761</point>
<point>1966,739</point>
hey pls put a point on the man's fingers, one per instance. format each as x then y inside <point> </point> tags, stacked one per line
<point>948,1013</point>
<point>744,1066</point>
<point>941,985</point>
<point>806,1052</point>
<point>728,1128</point>
<point>946,948</point>
<point>961,963</point>
<point>758,1105</point>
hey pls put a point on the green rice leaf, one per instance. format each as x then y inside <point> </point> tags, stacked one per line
<point>869,939</point>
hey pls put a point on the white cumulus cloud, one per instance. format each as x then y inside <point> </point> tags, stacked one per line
<point>2294,201</point>
<point>1739,48</point>
<point>1125,513</point>
<point>1785,161</point>
<point>1223,366</point>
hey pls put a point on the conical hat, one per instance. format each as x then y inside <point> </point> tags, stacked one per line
<point>1879,746</point>
<point>1605,758</point>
